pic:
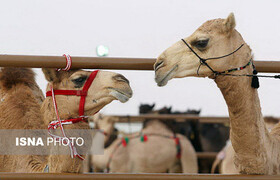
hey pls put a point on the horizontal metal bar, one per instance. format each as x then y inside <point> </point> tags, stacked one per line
<point>206,155</point>
<point>102,63</point>
<point>111,176</point>
<point>168,117</point>
<point>176,117</point>
<point>77,62</point>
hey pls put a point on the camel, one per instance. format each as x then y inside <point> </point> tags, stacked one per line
<point>153,150</point>
<point>205,137</point>
<point>21,99</point>
<point>257,150</point>
<point>106,87</point>
<point>226,160</point>
<point>226,156</point>
<point>24,107</point>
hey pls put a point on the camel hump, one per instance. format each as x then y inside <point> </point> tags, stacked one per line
<point>10,76</point>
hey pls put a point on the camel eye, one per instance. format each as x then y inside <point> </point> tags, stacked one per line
<point>79,82</point>
<point>201,44</point>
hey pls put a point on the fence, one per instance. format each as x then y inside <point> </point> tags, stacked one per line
<point>123,64</point>
<point>103,63</point>
<point>167,117</point>
<point>177,118</point>
<point>136,177</point>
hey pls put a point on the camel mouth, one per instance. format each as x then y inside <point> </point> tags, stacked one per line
<point>169,75</point>
<point>120,94</point>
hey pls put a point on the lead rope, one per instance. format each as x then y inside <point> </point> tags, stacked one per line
<point>73,150</point>
<point>53,124</point>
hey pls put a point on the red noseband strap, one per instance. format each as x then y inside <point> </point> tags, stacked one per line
<point>85,90</point>
<point>82,93</point>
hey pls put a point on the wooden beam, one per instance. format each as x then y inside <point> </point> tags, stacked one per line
<point>168,117</point>
<point>206,155</point>
<point>111,176</point>
<point>268,66</point>
<point>176,117</point>
<point>102,63</point>
<point>77,62</point>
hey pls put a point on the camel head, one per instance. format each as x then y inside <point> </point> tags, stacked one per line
<point>106,87</point>
<point>146,108</point>
<point>105,123</point>
<point>214,38</point>
<point>164,110</point>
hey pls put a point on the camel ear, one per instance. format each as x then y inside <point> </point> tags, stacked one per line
<point>169,109</point>
<point>153,105</point>
<point>51,74</point>
<point>229,23</point>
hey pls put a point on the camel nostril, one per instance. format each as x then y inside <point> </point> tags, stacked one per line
<point>121,78</point>
<point>158,65</point>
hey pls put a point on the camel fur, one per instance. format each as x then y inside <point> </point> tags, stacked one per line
<point>156,155</point>
<point>21,99</point>
<point>23,106</point>
<point>257,150</point>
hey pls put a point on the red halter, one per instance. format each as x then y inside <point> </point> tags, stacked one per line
<point>82,117</point>
<point>82,93</point>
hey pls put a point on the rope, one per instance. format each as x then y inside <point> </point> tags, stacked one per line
<point>73,150</point>
<point>252,75</point>
<point>82,117</point>
<point>225,73</point>
<point>68,63</point>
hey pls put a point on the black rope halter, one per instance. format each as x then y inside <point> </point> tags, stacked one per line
<point>203,60</point>
<point>255,82</point>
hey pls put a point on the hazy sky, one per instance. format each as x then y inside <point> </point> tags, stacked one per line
<point>141,28</point>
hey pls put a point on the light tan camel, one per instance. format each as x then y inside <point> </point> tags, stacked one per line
<point>226,156</point>
<point>155,155</point>
<point>226,160</point>
<point>107,125</point>
<point>21,99</point>
<point>106,87</point>
<point>257,150</point>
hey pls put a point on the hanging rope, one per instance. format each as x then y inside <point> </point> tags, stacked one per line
<point>68,63</point>
<point>73,150</point>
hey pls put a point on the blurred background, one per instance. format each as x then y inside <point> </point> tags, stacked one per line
<point>142,29</point>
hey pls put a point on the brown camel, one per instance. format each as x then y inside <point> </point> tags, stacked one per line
<point>106,87</point>
<point>226,156</point>
<point>257,150</point>
<point>156,154</point>
<point>21,99</point>
<point>22,108</point>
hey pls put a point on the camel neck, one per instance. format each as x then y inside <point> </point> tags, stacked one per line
<point>248,133</point>
<point>112,137</point>
<point>47,109</point>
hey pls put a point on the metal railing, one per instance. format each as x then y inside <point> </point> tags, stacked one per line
<point>103,63</point>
